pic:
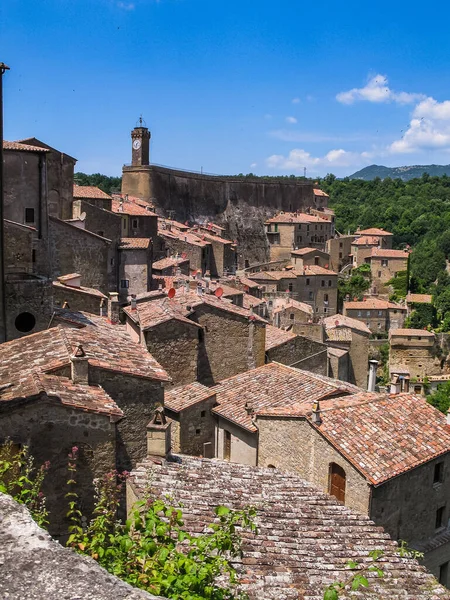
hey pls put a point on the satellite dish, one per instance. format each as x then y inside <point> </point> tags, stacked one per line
<point>82,217</point>
<point>219,292</point>
<point>183,255</point>
<point>336,323</point>
<point>171,293</point>
<point>326,266</point>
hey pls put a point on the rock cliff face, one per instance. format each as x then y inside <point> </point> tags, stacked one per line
<point>240,204</point>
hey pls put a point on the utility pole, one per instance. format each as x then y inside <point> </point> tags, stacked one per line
<point>3,69</point>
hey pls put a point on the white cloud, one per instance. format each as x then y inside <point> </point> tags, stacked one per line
<point>295,100</point>
<point>292,120</point>
<point>253,165</point>
<point>297,159</point>
<point>377,90</point>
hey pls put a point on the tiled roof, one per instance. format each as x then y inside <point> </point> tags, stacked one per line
<point>372,303</point>
<point>130,208</point>
<point>186,396</point>
<point>154,312</point>
<point>171,223</point>
<point>248,301</point>
<point>276,336</point>
<point>213,238</point>
<point>318,192</point>
<point>366,240</point>
<point>419,298</point>
<point>304,537</point>
<point>374,231</point>
<point>302,251</point>
<point>249,283</point>
<point>184,236</point>
<point>343,321</point>
<point>411,332</point>
<point>134,243</point>
<point>193,299</point>
<point>170,261</point>
<point>80,289</point>
<point>315,270</point>
<point>385,435</point>
<point>291,303</point>
<point>387,253</point>
<point>273,389</point>
<point>295,218</point>
<point>89,191</point>
<point>228,291</point>
<point>23,147</point>
<point>107,347</point>
<point>272,275</point>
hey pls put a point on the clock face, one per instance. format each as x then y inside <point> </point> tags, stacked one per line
<point>137,144</point>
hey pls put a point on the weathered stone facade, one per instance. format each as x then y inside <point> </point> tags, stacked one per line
<point>414,351</point>
<point>302,353</point>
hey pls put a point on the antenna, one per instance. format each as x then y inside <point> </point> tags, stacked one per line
<point>171,293</point>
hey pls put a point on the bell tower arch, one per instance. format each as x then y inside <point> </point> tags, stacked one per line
<point>140,145</point>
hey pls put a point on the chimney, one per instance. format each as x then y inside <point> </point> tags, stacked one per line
<point>133,302</point>
<point>315,415</point>
<point>103,307</point>
<point>373,364</point>
<point>79,366</point>
<point>395,385</point>
<point>249,408</point>
<point>113,308</point>
<point>159,434</point>
<point>405,384</point>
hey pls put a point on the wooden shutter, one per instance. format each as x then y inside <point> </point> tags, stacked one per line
<point>226,445</point>
<point>337,482</point>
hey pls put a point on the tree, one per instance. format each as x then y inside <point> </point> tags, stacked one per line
<point>440,399</point>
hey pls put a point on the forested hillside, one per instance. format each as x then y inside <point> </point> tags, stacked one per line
<point>417,212</point>
<point>405,173</point>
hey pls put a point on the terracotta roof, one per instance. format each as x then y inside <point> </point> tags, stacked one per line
<point>228,290</point>
<point>366,240</point>
<point>302,251</point>
<point>314,270</point>
<point>170,261</point>
<point>273,389</point>
<point>248,282</point>
<point>372,303</point>
<point>192,299</point>
<point>177,224</point>
<point>276,336</point>
<point>291,303</point>
<point>411,332</point>
<point>184,397</point>
<point>272,275</point>
<point>373,231</point>
<point>213,238</point>
<point>184,236</point>
<point>385,435</point>
<point>81,289</point>
<point>130,208</point>
<point>22,147</point>
<point>134,243</point>
<point>318,192</point>
<point>107,347</point>
<point>304,539</point>
<point>154,312</point>
<point>295,218</point>
<point>419,298</point>
<point>89,191</point>
<point>248,301</point>
<point>387,253</point>
<point>344,321</point>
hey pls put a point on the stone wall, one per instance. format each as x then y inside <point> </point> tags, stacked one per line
<point>293,445</point>
<point>302,353</point>
<point>359,359</point>
<point>50,431</point>
<point>193,427</point>
<point>244,444</point>
<point>98,220</point>
<point>135,266</point>
<point>382,274</point>
<point>18,248</point>
<point>29,304</point>
<point>75,250</point>
<point>77,300</point>
<point>419,361</point>
<point>241,205</point>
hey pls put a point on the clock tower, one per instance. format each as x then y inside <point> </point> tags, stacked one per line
<point>140,144</point>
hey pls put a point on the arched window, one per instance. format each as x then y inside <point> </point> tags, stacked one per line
<point>336,482</point>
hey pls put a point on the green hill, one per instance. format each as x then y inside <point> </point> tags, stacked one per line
<point>404,173</point>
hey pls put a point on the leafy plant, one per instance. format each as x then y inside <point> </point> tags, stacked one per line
<point>357,579</point>
<point>22,480</point>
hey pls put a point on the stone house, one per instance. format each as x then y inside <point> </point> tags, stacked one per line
<point>93,195</point>
<point>287,312</point>
<point>138,220</point>
<point>414,352</point>
<point>290,231</point>
<point>361,249</point>
<point>69,293</point>
<point>172,265</point>
<point>384,266</point>
<point>309,256</point>
<point>198,337</point>
<point>287,348</point>
<point>135,267</point>
<point>223,256</point>
<point>173,241</point>
<point>379,315</point>
<point>304,536</point>
<point>340,250</point>
<point>317,287</point>
<point>257,305</point>
<point>351,335</point>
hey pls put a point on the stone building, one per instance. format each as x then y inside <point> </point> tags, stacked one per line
<point>384,266</point>
<point>287,312</point>
<point>287,348</point>
<point>69,293</point>
<point>415,299</point>
<point>340,250</point>
<point>223,256</point>
<point>198,337</point>
<point>92,194</point>
<point>172,265</point>
<point>137,220</point>
<point>173,241</point>
<point>379,315</point>
<point>135,267</point>
<point>290,231</point>
<point>414,352</point>
<point>309,256</point>
<point>350,335</point>
<point>304,536</point>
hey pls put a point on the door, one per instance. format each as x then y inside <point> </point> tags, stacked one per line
<point>226,445</point>
<point>337,482</point>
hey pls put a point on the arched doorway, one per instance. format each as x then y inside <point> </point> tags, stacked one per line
<point>336,482</point>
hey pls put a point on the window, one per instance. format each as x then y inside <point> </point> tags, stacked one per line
<point>368,313</point>
<point>134,224</point>
<point>276,227</point>
<point>112,262</point>
<point>380,313</point>
<point>311,295</point>
<point>440,517</point>
<point>29,215</point>
<point>322,283</point>
<point>329,283</point>
<point>292,316</point>
<point>197,432</point>
<point>124,283</point>
<point>307,282</point>
<point>359,313</point>
<point>33,256</point>
<point>443,573</point>
<point>379,325</point>
<point>226,445</point>
<point>340,244</point>
<point>316,260</point>
<point>325,297</point>
<point>379,273</point>
<point>340,254</point>
<point>438,472</point>
<point>336,482</point>
<point>290,286</point>
<point>325,310</point>
<point>384,262</point>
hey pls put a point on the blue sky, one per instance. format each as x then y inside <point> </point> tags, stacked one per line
<point>230,87</point>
